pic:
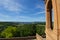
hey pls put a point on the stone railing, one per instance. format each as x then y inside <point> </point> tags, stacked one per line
<point>19,38</point>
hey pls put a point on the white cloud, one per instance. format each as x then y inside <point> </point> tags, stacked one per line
<point>40,6</point>
<point>10,5</point>
<point>39,13</point>
<point>4,16</point>
<point>41,18</point>
<point>20,18</point>
<point>23,17</point>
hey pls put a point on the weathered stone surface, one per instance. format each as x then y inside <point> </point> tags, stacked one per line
<point>55,33</point>
<point>38,37</point>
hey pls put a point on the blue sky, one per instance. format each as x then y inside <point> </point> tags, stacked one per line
<point>22,10</point>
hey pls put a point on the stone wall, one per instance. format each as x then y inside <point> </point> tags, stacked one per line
<point>52,34</point>
<point>38,37</point>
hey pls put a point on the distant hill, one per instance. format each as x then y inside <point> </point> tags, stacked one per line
<point>21,23</point>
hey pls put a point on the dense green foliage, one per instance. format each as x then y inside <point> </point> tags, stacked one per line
<point>13,29</point>
<point>9,32</point>
<point>40,29</point>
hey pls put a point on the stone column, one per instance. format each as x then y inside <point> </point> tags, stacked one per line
<point>56,7</point>
<point>55,33</point>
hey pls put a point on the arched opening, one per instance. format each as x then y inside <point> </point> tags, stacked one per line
<point>52,18</point>
<point>49,15</point>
